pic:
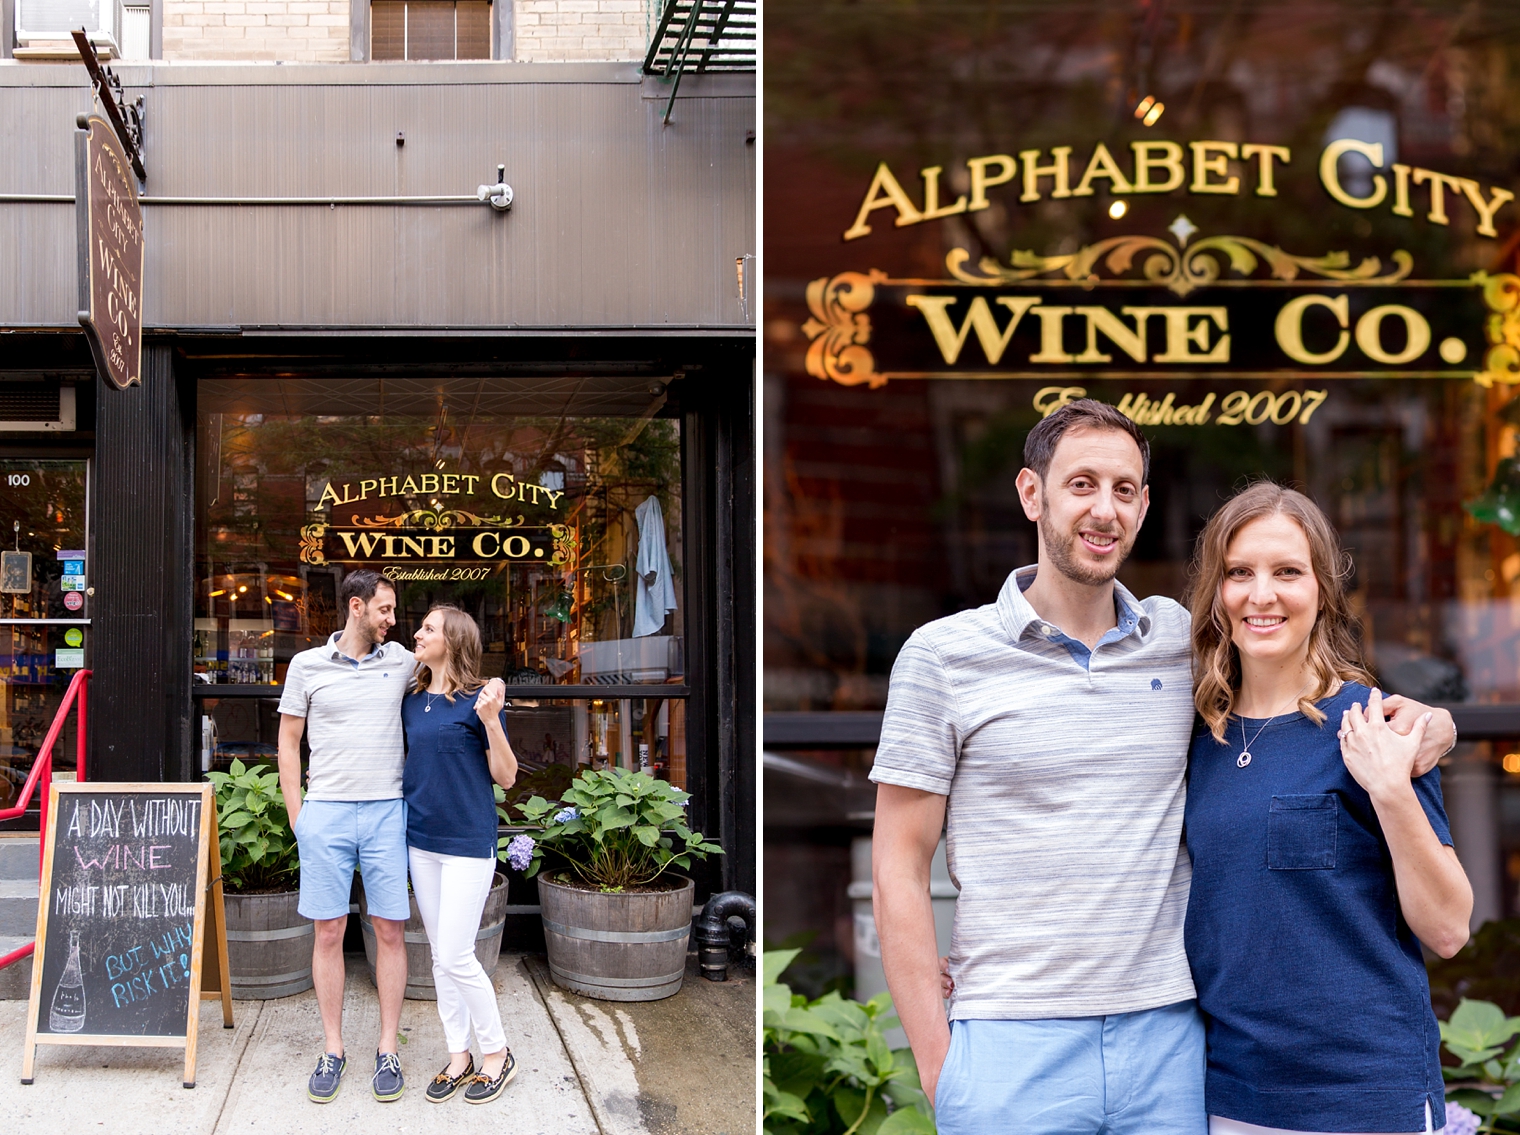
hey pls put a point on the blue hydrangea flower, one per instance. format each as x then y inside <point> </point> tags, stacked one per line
<point>1460,1121</point>
<point>565,815</point>
<point>520,852</point>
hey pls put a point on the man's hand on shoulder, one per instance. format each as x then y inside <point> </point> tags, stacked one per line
<point>1440,737</point>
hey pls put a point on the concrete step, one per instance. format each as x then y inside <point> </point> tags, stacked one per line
<point>18,856</point>
<point>15,979</point>
<point>18,908</point>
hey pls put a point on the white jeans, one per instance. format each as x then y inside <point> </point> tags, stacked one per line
<point>1220,1126</point>
<point>451,892</point>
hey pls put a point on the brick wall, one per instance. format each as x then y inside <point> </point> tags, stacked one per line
<point>583,30</point>
<point>306,31</point>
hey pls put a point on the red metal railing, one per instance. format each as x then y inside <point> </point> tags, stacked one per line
<point>42,775</point>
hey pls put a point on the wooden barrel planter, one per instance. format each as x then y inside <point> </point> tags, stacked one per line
<point>419,955</point>
<point>268,946</point>
<point>627,946</point>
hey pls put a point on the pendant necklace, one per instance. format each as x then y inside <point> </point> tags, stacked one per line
<point>429,707</point>
<point>1245,746</point>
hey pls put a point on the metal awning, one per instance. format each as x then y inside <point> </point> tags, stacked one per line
<point>697,36</point>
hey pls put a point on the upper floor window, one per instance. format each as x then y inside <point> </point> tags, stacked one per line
<point>430,29</point>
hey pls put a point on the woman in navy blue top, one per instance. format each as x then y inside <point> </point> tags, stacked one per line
<point>1319,862</point>
<point>456,746</point>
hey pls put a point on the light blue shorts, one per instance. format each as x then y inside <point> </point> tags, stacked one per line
<point>335,836</point>
<point>1127,1074</point>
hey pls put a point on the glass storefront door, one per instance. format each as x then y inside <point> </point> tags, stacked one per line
<point>44,607</point>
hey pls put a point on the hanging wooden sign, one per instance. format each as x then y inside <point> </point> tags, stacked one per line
<point>110,234</point>
<point>131,888</point>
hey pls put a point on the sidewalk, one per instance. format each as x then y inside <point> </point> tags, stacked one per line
<point>682,1066</point>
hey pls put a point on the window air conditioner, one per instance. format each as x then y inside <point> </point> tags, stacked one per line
<point>45,26</point>
<point>34,407</point>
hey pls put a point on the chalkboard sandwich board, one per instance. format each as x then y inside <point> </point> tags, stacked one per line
<point>123,916</point>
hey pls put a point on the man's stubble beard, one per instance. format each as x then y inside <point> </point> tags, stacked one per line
<point>1060,548</point>
<point>376,628</point>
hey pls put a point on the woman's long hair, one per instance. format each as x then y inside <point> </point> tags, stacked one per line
<point>1335,653</point>
<point>461,666</point>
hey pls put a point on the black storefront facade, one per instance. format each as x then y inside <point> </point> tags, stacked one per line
<point>349,359</point>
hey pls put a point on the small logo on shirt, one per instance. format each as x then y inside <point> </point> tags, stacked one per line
<point>1155,683</point>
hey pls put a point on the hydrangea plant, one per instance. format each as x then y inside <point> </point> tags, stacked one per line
<point>1487,1083</point>
<point>828,1069</point>
<point>613,829</point>
<point>258,848</point>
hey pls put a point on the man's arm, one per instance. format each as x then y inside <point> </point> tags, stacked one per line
<point>1439,737</point>
<point>291,729</point>
<point>908,826</point>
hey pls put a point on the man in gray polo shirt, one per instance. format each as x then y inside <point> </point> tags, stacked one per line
<point>346,695</point>
<point>1047,733</point>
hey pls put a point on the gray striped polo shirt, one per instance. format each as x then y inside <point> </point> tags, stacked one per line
<point>1064,773</point>
<point>353,719</point>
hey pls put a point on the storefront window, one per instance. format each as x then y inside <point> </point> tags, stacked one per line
<point>43,608</point>
<point>1285,261</point>
<point>556,522</point>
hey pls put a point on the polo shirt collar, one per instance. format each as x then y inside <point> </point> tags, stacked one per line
<point>1019,618</point>
<point>332,642</point>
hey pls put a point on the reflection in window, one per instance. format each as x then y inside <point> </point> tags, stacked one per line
<point>553,739</point>
<point>42,516</point>
<point>559,533</point>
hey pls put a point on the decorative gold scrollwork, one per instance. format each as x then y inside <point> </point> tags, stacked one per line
<point>565,540</point>
<point>1501,363</point>
<point>839,330</point>
<point>1180,270</point>
<point>437,518</point>
<point>312,537</point>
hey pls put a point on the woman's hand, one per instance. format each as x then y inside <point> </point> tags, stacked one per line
<point>492,697</point>
<point>1379,759</point>
<point>1434,894</point>
<point>499,756</point>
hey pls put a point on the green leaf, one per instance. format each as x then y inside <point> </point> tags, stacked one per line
<point>778,999</point>
<point>611,817</point>
<point>1480,1103</point>
<point>907,1121</point>
<point>648,836</point>
<point>1509,1103</point>
<point>1478,1025</point>
<point>848,1105</point>
<point>785,1104</point>
<point>806,1021</point>
<point>774,962</point>
<point>880,1054</point>
<point>841,1013</point>
<point>1473,1057</point>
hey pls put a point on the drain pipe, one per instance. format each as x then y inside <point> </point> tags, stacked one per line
<point>712,930</point>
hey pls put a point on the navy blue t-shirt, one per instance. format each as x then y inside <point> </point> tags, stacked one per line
<point>450,808</point>
<point>1313,987</point>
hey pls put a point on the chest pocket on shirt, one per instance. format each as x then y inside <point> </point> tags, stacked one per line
<point>1301,832</point>
<point>456,737</point>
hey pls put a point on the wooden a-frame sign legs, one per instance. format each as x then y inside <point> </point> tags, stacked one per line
<point>88,816</point>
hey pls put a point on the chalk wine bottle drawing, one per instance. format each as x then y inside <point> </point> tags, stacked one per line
<point>67,1012</point>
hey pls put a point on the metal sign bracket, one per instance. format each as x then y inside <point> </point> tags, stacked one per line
<point>125,118</point>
